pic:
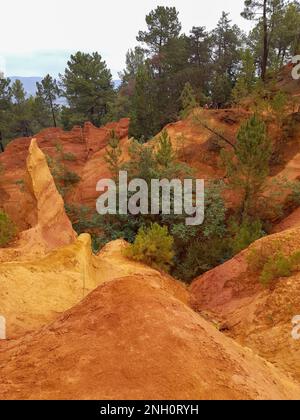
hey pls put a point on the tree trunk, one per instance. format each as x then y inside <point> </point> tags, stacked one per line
<point>265,47</point>
<point>53,113</point>
<point>1,143</point>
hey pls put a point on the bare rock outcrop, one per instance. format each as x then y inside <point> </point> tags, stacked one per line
<point>52,227</point>
<point>78,147</point>
<point>35,292</point>
<point>256,316</point>
<point>131,339</point>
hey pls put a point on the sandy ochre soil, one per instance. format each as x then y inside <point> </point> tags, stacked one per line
<point>87,326</point>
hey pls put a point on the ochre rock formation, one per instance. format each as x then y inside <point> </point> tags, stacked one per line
<point>195,144</point>
<point>96,138</point>
<point>81,143</point>
<point>81,325</point>
<point>51,226</point>
<point>256,316</point>
<point>35,292</point>
<point>93,171</point>
<point>131,339</point>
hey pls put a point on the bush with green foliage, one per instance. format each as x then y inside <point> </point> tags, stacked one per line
<point>277,266</point>
<point>153,245</point>
<point>113,154</point>
<point>159,161</point>
<point>8,229</point>
<point>201,248</point>
<point>188,100</point>
<point>271,263</point>
<point>63,177</point>
<point>279,104</point>
<point>246,80</point>
<point>248,165</point>
<point>70,157</point>
<point>245,234</point>
<point>200,256</point>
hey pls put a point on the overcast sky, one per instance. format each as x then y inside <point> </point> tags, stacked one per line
<point>38,36</point>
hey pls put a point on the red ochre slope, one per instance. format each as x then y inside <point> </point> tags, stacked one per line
<point>80,143</point>
<point>256,316</point>
<point>130,339</point>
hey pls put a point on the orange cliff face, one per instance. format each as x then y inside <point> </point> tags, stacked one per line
<point>49,269</point>
<point>81,144</point>
<point>86,326</point>
<point>258,317</point>
<point>194,143</point>
<point>51,227</point>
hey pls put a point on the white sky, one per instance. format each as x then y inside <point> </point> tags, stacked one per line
<point>39,35</point>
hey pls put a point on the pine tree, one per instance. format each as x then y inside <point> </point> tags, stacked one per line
<point>221,89</point>
<point>113,154</point>
<point>21,119</point>
<point>200,44</point>
<point>163,25</point>
<point>5,108</point>
<point>144,121</point>
<point>134,60</point>
<point>246,80</point>
<point>248,168</point>
<point>87,86</point>
<point>188,100</point>
<point>166,163</point>
<point>165,155</point>
<point>47,95</point>
<point>268,14</point>
<point>227,40</point>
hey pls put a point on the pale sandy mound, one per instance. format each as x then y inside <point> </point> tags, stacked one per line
<point>35,292</point>
<point>52,227</point>
<point>256,316</point>
<point>130,339</point>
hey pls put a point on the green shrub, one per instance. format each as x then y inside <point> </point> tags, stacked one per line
<point>258,257</point>
<point>69,156</point>
<point>7,229</point>
<point>21,184</point>
<point>200,256</point>
<point>272,265</point>
<point>69,178</point>
<point>80,217</point>
<point>153,246</point>
<point>245,234</point>
<point>188,100</point>
<point>295,259</point>
<point>64,178</point>
<point>276,267</point>
<point>113,154</point>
